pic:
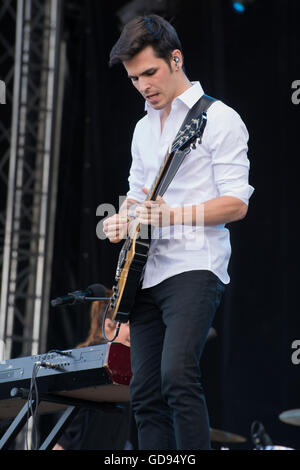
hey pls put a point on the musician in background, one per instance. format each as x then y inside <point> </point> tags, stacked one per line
<point>186,269</point>
<point>95,429</point>
<point>95,335</point>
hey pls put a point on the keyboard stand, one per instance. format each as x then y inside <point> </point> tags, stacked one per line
<point>72,406</point>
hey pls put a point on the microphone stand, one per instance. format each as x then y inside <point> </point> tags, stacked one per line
<point>83,298</point>
<point>78,299</point>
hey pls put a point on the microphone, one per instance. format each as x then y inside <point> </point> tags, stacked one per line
<point>93,292</point>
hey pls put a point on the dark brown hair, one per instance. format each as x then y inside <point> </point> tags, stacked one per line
<point>151,30</point>
<point>95,335</point>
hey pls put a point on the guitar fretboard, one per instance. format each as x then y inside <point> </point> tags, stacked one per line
<point>190,130</point>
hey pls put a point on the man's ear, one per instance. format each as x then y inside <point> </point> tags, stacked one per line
<point>177,57</point>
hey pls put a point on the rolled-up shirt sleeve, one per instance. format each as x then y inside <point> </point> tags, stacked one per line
<point>229,147</point>
<point>136,177</point>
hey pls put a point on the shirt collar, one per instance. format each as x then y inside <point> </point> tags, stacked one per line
<point>189,97</point>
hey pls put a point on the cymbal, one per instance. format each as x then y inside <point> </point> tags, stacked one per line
<point>217,435</point>
<point>290,417</point>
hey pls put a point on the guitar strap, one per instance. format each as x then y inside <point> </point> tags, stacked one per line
<point>201,106</point>
<point>197,111</point>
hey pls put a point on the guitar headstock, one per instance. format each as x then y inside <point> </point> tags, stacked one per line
<point>191,132</point>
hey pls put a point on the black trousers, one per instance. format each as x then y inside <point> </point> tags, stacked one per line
<point>168,329</point>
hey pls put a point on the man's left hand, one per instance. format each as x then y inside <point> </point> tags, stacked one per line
<point>157,213</point>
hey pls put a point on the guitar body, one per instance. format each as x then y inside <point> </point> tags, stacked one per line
<point>132,260</point>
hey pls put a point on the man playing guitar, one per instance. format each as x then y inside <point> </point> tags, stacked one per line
<point>186,269</point>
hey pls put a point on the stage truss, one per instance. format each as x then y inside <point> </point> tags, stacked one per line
<point>32,57</point>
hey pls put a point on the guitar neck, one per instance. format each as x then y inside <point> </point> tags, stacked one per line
<point>191,131</point>
<point>154,190</point>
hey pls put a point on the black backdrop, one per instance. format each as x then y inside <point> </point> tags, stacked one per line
<point>249,61</point>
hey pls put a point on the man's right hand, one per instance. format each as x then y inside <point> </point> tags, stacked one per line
<point>116,227</point>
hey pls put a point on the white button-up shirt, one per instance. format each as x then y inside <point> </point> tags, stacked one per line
<point>217,167</point>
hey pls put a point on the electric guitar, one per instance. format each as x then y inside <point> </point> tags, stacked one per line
<point>134,253</point>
